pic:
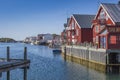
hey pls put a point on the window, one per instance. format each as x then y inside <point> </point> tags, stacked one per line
<point>68,33</point>
<point>118,39</point>
<point>113,39</point>
<point>73,33</point>
<point>102,14</point>
<point>103,42</point>
<point>96,39</point>
<point>102,18</point>
<point>77,32</point>
<point>97,29</point>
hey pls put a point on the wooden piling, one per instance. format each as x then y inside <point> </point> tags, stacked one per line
<point>65,53</point>
<point>25,53</point>
<point>25,73</point>
<point>1,74</point>
<point>8,75</point>
<point>8,53</point>
<point>25,68</point>
<point>14,63</point>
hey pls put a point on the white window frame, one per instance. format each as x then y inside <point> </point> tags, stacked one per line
<point>96,39</point>
<point>97,28</point>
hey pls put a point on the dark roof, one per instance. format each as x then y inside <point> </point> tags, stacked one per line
<point>84,21</point>
<point>113,10</point>
<point>65,24</point>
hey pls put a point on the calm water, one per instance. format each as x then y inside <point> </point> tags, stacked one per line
<point>47,66</point>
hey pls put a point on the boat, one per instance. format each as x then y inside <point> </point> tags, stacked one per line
<point>57,51</point>
<point>56,47</point>
<point>31,43</point>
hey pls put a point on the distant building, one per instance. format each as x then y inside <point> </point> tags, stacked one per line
<point>106,26</point>
<point>44,38</point>
<point>27,39</point>
<point>30,39</point>
<point>39,37</point>
<point>47,37</point>
<point>33,39</point>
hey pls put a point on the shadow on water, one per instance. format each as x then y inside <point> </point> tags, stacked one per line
<point>48,66</point>
<point>112,76</point>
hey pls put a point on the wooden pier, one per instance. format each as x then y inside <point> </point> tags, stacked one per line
<point>7,64</point>
<point>98,59</point>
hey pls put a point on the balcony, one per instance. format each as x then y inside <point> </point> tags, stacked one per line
<point>70,29</point>
<point>99,21</point>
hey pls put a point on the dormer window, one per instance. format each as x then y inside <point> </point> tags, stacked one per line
<point>102,14</point>
<point>102,17</point>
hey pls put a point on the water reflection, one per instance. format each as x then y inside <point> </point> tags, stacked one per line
<point>48,66</point>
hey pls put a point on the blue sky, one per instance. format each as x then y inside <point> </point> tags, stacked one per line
<point>22,18</point>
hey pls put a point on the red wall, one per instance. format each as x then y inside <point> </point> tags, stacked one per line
<point>83,35</point>
<point>87,35</point>
<point>78,37</point>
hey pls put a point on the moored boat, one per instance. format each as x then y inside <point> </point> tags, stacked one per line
<point>57,51</point>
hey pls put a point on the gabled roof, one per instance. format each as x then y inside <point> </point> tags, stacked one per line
<point>113,11</point>
<point>84,21</point>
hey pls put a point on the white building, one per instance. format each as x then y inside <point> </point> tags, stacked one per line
<point>44,38</point>
<point>47,37</point>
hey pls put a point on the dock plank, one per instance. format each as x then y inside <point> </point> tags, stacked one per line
<point>12,64</point>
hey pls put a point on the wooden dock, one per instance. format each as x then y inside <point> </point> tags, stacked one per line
<point>98,59</point>
<point>7,64</point>
<point>13,64</point>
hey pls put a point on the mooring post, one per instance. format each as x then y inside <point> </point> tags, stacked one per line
<point>25,53</point>
<point>87,55</point>
<point>65,53</point>
<point>8,75</point>
<point>8,53</point>
<point>1,74</point>
<point>107,67</point>
<point>25,68</point>
<point>25,73</point>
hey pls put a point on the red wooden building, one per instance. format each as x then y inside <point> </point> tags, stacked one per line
<point>106,26</point>
<point>64,32</point>
<point>79,29</point>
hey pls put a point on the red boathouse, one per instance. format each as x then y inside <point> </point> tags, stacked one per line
<point>106,26</point>
<point>79,29</point>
